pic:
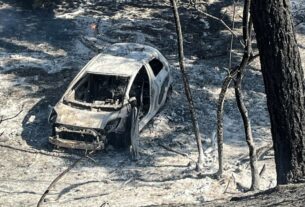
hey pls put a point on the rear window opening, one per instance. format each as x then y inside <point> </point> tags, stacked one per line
<point>156,66</point>
<point>99,89</point>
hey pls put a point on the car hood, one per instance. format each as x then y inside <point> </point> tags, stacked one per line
<point>68,115</point>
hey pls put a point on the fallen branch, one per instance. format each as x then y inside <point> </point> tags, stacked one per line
<point>175,151</point>
<point>91,43</point>
<point>107,193</point>
<point>298,23</point>
<point>263,151</point>
<point>228,184</point>
<point>34,151</point>
<point>105,204</point>
<point>12,117</point>
<point>61,175</point>
<point>262,170</point>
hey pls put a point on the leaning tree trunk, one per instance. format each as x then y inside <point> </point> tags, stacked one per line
<point>284,84</point>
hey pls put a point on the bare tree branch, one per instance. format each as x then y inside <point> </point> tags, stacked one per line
<point>224,24</point>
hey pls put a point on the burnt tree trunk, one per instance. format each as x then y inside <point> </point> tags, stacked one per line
<point>284,84</point>
<point>187,88</point>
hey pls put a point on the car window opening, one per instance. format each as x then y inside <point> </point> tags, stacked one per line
<point>101,89</point>
<point>141,90</point>
<point>156,66</point>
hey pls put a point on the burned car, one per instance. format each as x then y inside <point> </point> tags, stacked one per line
<point>96,107</point>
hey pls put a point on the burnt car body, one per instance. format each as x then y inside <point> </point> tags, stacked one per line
<point>96,107</point>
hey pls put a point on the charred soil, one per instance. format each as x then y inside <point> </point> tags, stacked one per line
<point>42,50</point>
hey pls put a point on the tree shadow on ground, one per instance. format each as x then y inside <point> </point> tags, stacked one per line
<point>35,125</point>
<point>34,26</point>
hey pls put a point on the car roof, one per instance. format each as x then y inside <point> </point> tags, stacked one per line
<point>122,59</point>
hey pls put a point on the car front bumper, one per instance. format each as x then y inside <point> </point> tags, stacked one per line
<point>77,138</point>
<point>76,144</point>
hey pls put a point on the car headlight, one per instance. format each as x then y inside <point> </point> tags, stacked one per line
<point>52,116</point>
<point>111,125</point>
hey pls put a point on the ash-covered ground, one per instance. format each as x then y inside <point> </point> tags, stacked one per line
<point>42,50</point>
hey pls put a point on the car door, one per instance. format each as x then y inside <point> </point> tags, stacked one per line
<point>161,77</point>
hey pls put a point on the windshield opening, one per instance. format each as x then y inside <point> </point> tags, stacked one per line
<point>100,89</point>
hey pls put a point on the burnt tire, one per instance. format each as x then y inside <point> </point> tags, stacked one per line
<point>169,94</point>
<point>168,97</point>
<point>119,140</point>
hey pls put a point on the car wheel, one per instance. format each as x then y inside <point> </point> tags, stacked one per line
<point>169,93</point>
<point>121,140</point>
<point>168,96</point>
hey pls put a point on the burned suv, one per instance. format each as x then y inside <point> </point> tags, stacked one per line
<point>96,107</point>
